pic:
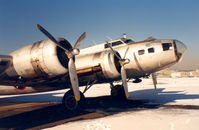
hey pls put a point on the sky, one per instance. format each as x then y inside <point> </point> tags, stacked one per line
<point>139,19</point>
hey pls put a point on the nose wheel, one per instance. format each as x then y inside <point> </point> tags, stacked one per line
<point>71,104</point>
<point>117,93</point>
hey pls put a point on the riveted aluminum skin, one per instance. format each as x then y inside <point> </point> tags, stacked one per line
<point>39,59</point>
<point>106,60</point>
<point>140,65</point>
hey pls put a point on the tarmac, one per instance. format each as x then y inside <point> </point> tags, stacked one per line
<point>27,112</point>
<point>44,115</point>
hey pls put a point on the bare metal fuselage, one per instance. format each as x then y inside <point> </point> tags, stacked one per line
<point>140,64</point>
<point>42,66</point>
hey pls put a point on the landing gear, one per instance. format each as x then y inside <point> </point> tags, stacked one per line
<point>71,104</point>
<point>117,92</point>
<point>137,80</point>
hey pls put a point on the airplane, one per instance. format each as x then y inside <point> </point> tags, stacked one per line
<point>55,64</point>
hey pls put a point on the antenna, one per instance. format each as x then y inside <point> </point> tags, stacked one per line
<point>94,42</point>
<point>124,36</point>
<point>109,38</point>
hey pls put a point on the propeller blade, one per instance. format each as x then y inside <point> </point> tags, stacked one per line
<point>123,71</point>
<point>80,40</point>
<point>47,34</point>
<point>114,51</point>
<point>126,52</point>
<point>74,79</point>
<point>154,78</point>
<point>124,81</point>
<point>70,54</point>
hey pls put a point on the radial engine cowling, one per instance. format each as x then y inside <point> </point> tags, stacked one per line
<point>106,60</point>
<point>40,59</point>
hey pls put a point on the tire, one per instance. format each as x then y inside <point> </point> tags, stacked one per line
<point>71,105</point>
<point>117,93</point>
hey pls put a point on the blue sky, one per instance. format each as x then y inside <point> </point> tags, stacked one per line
<point>170,19</point>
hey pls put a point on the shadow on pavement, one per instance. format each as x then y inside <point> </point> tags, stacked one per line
<point>96,107</point>
<point>56,115</point>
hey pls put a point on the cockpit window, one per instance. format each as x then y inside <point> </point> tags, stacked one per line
<point>3,63</point>
<point>113,44</point>
<point>141,52</point>
<point>116,43</point>
<point>166,46</point>
<point>127,41</point>
<point>106,45</point>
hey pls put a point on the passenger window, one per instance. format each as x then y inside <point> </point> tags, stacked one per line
<point>141,52</point>
<point>166,46</point>
<point>151,50</point>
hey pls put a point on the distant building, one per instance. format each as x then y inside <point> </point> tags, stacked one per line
<point>191,74</point>
<point>177,74</point>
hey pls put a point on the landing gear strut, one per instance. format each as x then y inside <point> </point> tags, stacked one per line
<point>117,92</point>
<point>71,104</point>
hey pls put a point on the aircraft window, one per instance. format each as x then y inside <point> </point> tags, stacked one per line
<point>113,44</point>
<point>151,50</point>
<point>106,46</point>
<point>128,41</point>
<point>141,52</point>
<point>3,63</point>
<point>116,43</point>
<point>166,46</point>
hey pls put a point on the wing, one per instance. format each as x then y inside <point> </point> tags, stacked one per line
<point>5,61</point>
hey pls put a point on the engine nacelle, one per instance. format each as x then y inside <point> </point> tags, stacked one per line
<point>110,65</point>
<point>40,59</point>
<point>107,60</point>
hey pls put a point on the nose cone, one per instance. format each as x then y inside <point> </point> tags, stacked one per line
<point>180,50</point>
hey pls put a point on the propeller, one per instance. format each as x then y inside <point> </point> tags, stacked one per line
<point>154,78</point>
<point>70,54</point>
<point>126,52</point>
<point>123,71</point>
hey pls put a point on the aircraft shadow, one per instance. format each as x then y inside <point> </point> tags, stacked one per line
<point>38,97</point>
<point>104,105</point>
<point>159,96</point>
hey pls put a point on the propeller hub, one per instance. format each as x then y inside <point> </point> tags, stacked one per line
<point>70,54</point>
<point>76,51</point>
<point>124,61</point>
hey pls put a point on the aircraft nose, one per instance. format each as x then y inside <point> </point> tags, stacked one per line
<point>180,49</point>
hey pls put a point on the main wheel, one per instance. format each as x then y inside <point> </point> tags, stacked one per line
<point>117,93</point>
<point>71,104</point>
